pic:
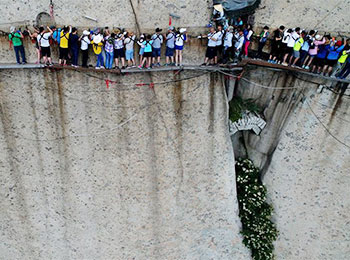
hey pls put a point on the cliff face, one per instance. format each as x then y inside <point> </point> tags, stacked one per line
<point>304,153</point>
<point>128,172</point>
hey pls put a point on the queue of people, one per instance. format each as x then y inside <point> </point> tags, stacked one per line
<point>113,49</point>
<point>320,54</point>
<point>289,47</point>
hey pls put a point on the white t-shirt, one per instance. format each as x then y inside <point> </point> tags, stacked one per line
<point>85,41</point>
<point>286,37</point>
<point>43,39</point>
<point>293,38</point>
<point>211,42</point>
<point>129,42</point>
<point>180,39</point>
<point>239,42</point>
<point>219,36</point>
<point>228,39</point>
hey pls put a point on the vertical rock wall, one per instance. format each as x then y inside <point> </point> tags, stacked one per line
<point>129,172</point>
<point>304,152</point>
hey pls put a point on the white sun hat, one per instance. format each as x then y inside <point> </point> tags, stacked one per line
<point>182,30</point>
<point>86,32</point>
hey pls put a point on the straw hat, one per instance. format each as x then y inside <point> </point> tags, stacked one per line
<point>219,8</point>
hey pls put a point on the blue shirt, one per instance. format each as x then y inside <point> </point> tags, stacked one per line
<point>323,51</point>
<point>334,52</point>
<point>56,35</point>
<point>148,46</point>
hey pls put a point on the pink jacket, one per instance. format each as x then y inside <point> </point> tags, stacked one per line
<point>315,49</point>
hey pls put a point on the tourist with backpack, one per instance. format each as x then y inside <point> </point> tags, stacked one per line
<point>74,46</point>
<point>109,49</point>
<point>344,73</point>
<point>308,42</point>
<point>293,37</point>
<point>313,50</point>
<point>211,48</point>
<point>43,39</point>
<point>141,42</point>
<point>296,49</point>
<point>170,47</point>
<point>320,59</point>
<point>239,41</point>
<point>84,47</point>
<point>248,33</point>
<point>228,50</point>
<point>119,52</point>
<point>264,35</point>
<point>147,55</point>
<point>219,37</point>
<point>16,38</point>
<point>64,41</point>
<point>276,45</point>
<point>33,36</point>
<point>97,46</point>
<point>129,49</point>
<point>335,48</point>
<point>180,39</point>
<point>342,59</point>
<point>157,40</point>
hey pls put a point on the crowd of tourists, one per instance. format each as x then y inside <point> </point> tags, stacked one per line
<point>321,54</point>
<point>113,49</point>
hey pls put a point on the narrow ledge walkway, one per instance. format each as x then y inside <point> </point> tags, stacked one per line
<point>235,69</point>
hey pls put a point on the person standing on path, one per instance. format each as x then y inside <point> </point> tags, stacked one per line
<point>16,37</point>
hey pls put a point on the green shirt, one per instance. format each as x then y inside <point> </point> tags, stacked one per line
<point>16,39</point>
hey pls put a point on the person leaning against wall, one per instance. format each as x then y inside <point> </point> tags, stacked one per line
<point>16,37</point>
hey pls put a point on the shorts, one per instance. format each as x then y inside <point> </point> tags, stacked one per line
<point>63,53</point>
<point>180,48</point>
<point>142,51</point>
<point>169,52</point>
<point>319,62</point>
<point>218,50</point>
<point>156,52</point>
<point>296,54</point>
<point>45,51</point>
<point>211,52</point>
<point>147,54</point>
<point>331,63</point>
<point>119,53</point>
<point>129,54</point>
<point>290,50</point>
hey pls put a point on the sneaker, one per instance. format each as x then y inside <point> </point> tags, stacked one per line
<point>307,67</point>
<point>123,68</point>
<point>204,64</point>
<point>101,67</point>
<point>149,67</point>
<point>158,64</point>
<point>50,65</point>
<point>24,62</point>
<point>140,67</point>
<point>284,63</point>
<point>97,68</point>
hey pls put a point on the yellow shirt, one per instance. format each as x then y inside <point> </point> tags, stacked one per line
<point>64,40</point>
<point>97,47</point>
<point>343,57</point>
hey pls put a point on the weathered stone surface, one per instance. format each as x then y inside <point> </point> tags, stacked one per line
<point>305,168</point>
<point>127,172</point>
<point>323,15</point>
